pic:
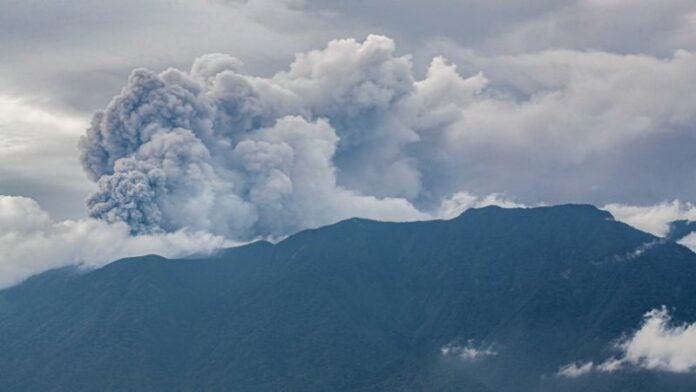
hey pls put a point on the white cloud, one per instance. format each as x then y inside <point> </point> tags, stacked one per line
<point>461,201</point>
<point>689,241</point>
<point>658,345</point>
<point>31,242</point>
<point>581,102</point>
<point>565,126</point>
<point>469,352</point>
<point>576,369</point>
<point>654,219</point>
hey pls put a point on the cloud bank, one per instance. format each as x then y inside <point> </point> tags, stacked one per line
<point>31,242</point>
<point>657,345</point>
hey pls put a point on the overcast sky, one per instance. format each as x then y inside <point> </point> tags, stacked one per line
<point>63,60</point>
<point>258,118</point>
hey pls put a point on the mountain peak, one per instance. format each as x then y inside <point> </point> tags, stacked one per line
<point>561,209</point>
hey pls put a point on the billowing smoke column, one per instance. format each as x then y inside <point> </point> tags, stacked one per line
<point>342,133</point>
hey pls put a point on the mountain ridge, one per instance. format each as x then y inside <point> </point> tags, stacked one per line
<point>358,305</point>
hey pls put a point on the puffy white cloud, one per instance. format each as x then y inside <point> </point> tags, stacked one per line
<point>658,344</point>
<point>291,180</point>
<point>31,242</point>
<point>654,219</point>
<point>348,77</point>
<point>566,125</point>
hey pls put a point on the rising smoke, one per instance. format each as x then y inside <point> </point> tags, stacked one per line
<point>351,131</point>
<point>337,135</point>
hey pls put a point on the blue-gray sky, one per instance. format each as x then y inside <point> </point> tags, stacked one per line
<point>422,109</point>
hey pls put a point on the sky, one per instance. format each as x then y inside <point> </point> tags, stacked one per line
<point>222,121</point>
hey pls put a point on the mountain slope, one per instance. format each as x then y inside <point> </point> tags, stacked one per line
<point>359,305</point>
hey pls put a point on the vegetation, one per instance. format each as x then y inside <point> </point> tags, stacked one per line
<point>360,306</point>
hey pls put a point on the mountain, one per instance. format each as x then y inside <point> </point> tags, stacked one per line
<point>360,306</point>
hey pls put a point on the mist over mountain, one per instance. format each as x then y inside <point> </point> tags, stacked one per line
<point>558,298</point>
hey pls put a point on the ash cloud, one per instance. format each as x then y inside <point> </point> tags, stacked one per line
<point>349,130</point>
<point>216,149</point>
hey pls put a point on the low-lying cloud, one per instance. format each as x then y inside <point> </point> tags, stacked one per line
<point>470,352</point>
<point>453,206</point>
<point>658,345</point>
<point>31,242</point>
<point>654,219</point>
